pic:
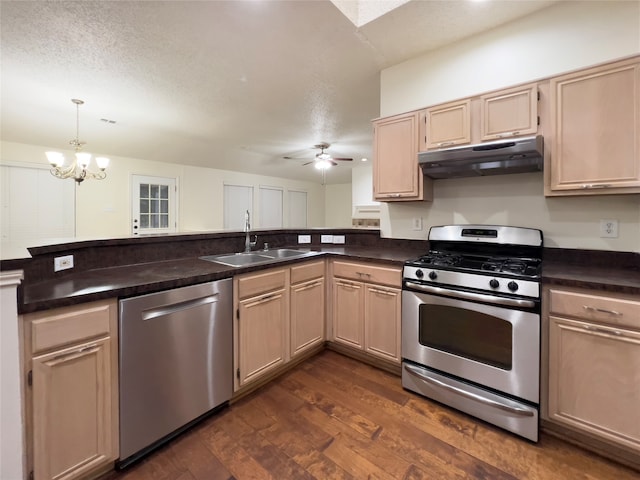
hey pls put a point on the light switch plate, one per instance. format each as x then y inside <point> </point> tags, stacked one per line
<point>304,238</point>
<point>338,239</point>
<point>326,238</point>
<point>417,223</point>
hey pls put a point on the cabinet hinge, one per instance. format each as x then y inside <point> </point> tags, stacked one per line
<point>30,381</point>
<point>238,313</point>
<point>538,92</point>
<point>31,475</point>
<point>538,120</point>
<point>238,373</point>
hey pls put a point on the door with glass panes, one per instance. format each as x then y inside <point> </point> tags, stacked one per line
<point>153,205</point>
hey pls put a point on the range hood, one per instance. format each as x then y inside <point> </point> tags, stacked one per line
<point>515,155</point>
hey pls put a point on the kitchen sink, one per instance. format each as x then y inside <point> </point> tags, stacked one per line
<point>254,258</point>
<point>282,253</point>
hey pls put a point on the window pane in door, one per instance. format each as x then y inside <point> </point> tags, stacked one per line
<point>153,211</point>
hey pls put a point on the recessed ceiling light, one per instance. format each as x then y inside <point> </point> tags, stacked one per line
<point>364,159</point>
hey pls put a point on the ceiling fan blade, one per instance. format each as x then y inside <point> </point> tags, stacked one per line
<point>342,159</point>
<point>309,163</point>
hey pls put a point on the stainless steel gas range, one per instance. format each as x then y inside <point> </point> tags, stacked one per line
<point>471,323</point>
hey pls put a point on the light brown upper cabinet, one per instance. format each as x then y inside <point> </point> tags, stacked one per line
<point>445,125</point>
<point>509,113</point>
<point>396,174</point>
<point>595,123</point>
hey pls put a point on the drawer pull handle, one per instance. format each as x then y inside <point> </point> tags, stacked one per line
<point>74,353</point>
<point>307,287</point>
<point>617,333</point>
<point>589,308</point>
<point>363,274</point>
<point>595,185</point>
<point>507,134</point>
<point>383,292</point>
<point>445,144</point>
<point>346,284</point>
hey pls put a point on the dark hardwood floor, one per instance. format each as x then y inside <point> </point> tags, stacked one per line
<point>336,418</point>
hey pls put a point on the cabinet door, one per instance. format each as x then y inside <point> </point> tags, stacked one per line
<point>595,120</point>
<point>348,318</point>
<point>396,174</point>
<point>445,125</point>
<point>382,322</point>
<point>72,410</point>
<point>594,379</point>
<point>307,315</point>
<point>509,113</point>
<point>261,335</point>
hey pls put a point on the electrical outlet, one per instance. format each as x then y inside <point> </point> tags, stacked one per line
<point>338,239</point>
<point>326,238</point>
<point>304,238</point>
<point>609,228</point>
<point>417,223</point>
<point>62,263</point>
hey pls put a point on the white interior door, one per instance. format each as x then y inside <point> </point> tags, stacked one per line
<point>270,207</point>
<point>297,209</point>
<point>153,205</point>
<point>36,205</point>
<point>237,200</point>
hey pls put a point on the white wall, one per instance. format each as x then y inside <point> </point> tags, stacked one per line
<point>12,441</point>
<point>103,207</point>
<point>338,205</point>
<point>563,37</point>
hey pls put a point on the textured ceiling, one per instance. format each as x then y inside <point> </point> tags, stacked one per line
<point>225,84</point>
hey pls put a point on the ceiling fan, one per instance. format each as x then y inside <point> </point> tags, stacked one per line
<point>322,160</point>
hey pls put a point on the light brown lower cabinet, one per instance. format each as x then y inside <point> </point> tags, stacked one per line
<point>366,306</point>
<point>72,399</point>
<point>594,365</point>
<point>307,297</point>
<point>279,316</point>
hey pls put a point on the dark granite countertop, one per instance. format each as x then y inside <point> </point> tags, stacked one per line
<point>612,279</point>
<point>606,271</point>
<point>143,278</point>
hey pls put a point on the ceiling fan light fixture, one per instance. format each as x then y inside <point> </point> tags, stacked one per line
<point>322,164</point>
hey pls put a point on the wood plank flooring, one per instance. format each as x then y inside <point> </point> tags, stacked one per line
<point>333,417</point>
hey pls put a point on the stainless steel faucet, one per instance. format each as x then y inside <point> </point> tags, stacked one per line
<point>247,228</point>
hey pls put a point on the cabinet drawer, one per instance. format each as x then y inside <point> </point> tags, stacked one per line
<point>66,326</point>
<point>601,308</point>
<point>257,283</point>
<point>368,273</point>
<point>307,271</point>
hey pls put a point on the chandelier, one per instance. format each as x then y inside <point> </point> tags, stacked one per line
<point>79,168</point>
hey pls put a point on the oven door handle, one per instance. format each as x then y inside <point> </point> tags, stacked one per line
<point>508,302</point>
<point>472,396</point>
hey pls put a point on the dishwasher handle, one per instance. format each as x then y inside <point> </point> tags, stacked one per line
<point>177,307</point>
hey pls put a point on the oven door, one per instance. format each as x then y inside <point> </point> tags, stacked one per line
<point>489,345</point>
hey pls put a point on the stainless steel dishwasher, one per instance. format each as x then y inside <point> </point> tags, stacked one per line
<point>176,362</point>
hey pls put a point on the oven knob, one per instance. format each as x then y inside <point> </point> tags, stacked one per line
<point>513,286</point>
<point>419,273</point>
<point>493,283</point>
<point>433,275</point>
